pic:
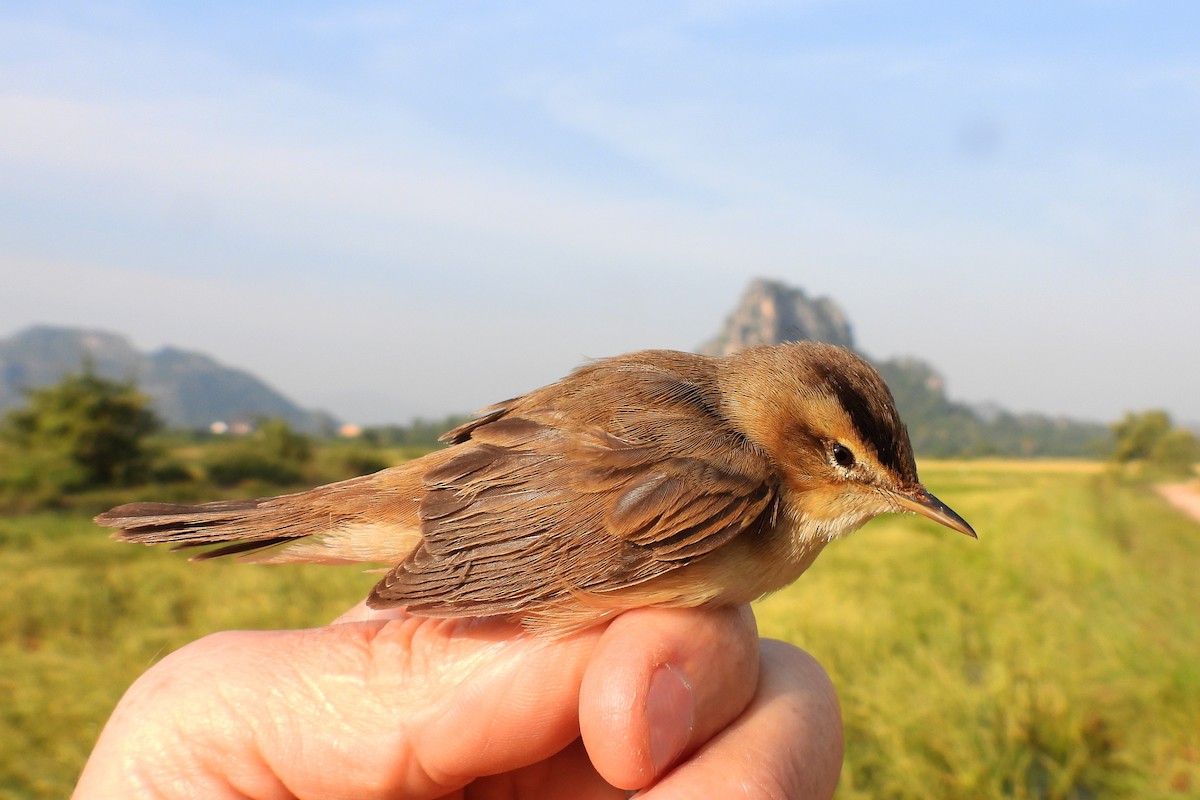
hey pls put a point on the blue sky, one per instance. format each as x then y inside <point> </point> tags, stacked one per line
<point>417,208</point>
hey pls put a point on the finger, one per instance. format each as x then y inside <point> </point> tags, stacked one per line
<point>446,701</point>
<point>787,744</point>
<point>410,707</point>
<point>661,683</point>
<point>568,774</point>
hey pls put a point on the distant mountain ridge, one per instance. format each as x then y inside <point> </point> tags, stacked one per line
<point>189,390</point>
<point>771,312</point>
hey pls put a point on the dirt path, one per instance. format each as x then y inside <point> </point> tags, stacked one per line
<point>1184,496</point>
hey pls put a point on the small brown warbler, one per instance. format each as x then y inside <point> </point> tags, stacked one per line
<point>655,478</point>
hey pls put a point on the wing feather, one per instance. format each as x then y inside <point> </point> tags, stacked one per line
<point>532,512</point>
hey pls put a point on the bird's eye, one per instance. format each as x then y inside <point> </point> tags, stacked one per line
<point>843,455</point>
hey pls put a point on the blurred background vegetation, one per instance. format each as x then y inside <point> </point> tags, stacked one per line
<point>89,433</point>
<point>83,440</point>
<point>1058,657</point>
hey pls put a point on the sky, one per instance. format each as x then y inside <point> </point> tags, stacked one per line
<point>400,209</point>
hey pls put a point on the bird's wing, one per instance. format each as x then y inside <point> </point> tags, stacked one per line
<point>533,509</point>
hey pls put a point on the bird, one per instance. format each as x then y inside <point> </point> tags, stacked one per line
<point>654,478</point>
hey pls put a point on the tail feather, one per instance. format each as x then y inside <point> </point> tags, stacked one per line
<point>249,525</point>
<point>371,518</point>
<point>235,549</point>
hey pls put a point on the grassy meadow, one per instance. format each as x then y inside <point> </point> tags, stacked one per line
<point>1057,657</point>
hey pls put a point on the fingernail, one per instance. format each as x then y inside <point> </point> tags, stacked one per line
<point>669,712</point>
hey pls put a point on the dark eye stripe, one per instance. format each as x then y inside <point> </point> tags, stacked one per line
<point>876,420</point>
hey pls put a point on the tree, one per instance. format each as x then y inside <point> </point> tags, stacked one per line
<point>1176,453</point>
<point>80,433</point>
<point>417,433</point>
<point>1150,437</point>
<point>274,453</point>
<point>1138,433</point>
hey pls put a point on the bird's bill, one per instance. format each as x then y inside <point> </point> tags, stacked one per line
<point>925,504</point>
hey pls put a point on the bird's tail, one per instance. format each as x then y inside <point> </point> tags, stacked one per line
<point>371,518</point>
<point>245,526</point>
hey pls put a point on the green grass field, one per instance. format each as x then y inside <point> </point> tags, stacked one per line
<point>1057,657</point>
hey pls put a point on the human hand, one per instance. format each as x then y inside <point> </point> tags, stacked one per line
<point>690,703</point>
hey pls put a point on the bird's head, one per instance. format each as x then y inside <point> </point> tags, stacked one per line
<point>828,421</point>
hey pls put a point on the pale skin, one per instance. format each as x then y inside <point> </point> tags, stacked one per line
<point>678,703</point>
